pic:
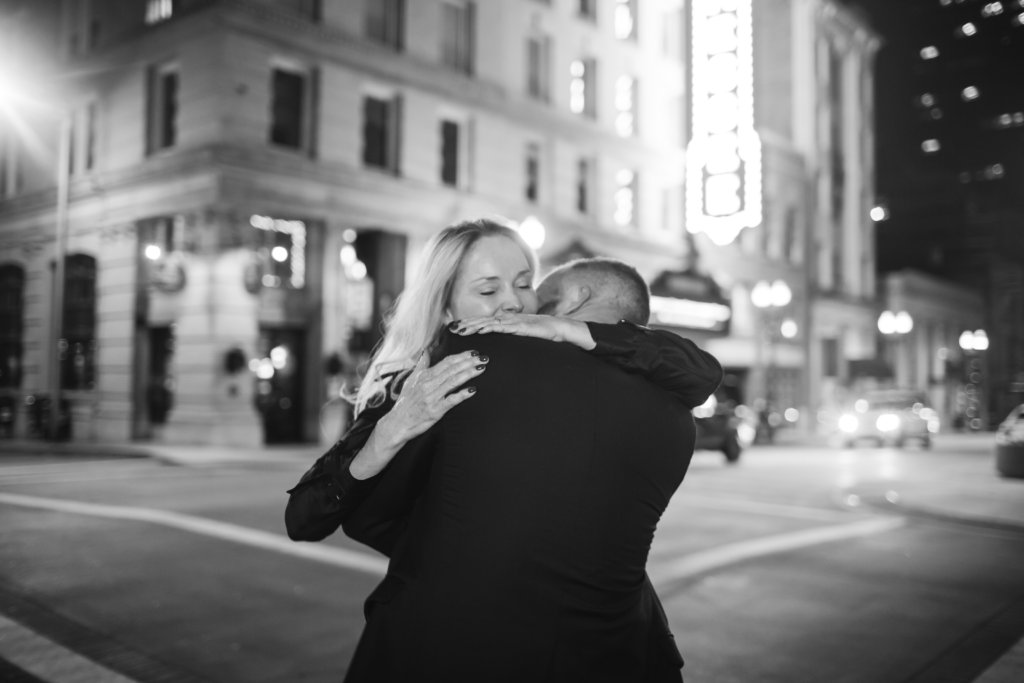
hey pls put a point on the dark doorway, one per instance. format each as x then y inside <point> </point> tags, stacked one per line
<point>279,384</point>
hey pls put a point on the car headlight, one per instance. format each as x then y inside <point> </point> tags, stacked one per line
<point>888,422</point>
<point>848,423</point>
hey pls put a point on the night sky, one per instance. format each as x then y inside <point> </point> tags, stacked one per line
<point>955,209</point>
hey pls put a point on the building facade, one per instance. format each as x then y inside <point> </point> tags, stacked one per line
<point>249,184</point>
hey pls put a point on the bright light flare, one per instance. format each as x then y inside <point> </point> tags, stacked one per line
<point>888,422</point>
<point>848,423</point>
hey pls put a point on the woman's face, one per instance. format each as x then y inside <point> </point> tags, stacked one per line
<point>495,277</point>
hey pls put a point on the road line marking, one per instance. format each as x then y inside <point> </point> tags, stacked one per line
<point>340,557</point>
<point>699,562</point>
<point>1009,667</point>
<point>779,509</point>
<point>49,661</point>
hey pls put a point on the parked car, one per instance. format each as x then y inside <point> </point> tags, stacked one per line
<point>722,425</point>
<point>888,417</point>
<point>1010,444</point>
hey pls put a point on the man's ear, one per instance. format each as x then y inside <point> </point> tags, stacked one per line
<point>575,298</point>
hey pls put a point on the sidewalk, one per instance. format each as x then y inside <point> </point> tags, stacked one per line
<point>175,454</point>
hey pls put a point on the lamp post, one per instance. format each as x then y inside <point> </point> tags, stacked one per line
<point>770,298</point>
<point>896,325</point>
<point>974,344</point>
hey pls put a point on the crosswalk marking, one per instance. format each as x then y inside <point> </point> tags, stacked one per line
<point>49,661</point>
<point>341,557</point>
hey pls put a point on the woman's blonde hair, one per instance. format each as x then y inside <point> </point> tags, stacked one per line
<point>417,319</point>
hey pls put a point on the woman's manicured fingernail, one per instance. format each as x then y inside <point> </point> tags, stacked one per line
<point>474,353</point>
<point>484,359</point>
<point>471,390</point>
<point>481,366</point>
<point>453,325</point>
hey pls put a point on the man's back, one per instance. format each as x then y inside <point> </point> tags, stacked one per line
<point>528,546</point>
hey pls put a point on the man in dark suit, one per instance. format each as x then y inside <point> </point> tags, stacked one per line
<point>522,557</point>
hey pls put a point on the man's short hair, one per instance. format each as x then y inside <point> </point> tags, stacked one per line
<point>615,281</point>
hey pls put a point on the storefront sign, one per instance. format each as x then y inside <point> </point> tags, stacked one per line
<point>724,155</point>
<point>689,300</point>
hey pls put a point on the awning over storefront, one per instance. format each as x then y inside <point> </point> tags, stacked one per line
<point>689,300</point>
<point>869,367</point>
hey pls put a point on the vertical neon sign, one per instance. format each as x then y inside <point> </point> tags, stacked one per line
<point>723,168</point>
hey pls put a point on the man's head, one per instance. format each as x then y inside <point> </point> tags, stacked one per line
<point>595,290</point>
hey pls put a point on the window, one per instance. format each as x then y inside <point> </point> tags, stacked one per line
<point>78,339</point>
<point>625,197</point>
<point>454,153</point>
<point>159,10</point>
<point>457,38</point>
<point>672,208</point>
<point>830,357</point>
<point>163,107</point>
<point>584,184</point>
<point>588,10</point>
<point>385,22</point>
<point>582,87</point>
<point>380,132</point>
<point>12,320</point>
<point>625,106</point>
<point>538,67</point>
<point>532,189</point>
<point>10,166</point>
<point>790,246</point>
<point>280,247</point>
<point>291,107</point>
<point>672,29</point>
<point>625,19</point>
<point>82,145</point>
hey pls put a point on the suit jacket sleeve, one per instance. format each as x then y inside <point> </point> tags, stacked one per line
<point>327,492</point>
<point>673,363</point>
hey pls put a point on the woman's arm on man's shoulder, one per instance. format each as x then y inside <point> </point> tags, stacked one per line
<point>674,363</point>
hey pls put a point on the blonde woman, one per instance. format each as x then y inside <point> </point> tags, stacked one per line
<point>469,271</point>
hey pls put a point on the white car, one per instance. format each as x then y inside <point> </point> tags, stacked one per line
<point>888,417</point>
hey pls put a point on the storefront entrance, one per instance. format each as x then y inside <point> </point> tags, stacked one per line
<point>279,384</point>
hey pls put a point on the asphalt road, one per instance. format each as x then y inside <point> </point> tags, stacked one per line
<point>132,569</point>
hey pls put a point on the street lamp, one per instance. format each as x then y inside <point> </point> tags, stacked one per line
<point>11,93</point>
<point>895,325</point>
<point>973,344</point>
<point>770,298</point>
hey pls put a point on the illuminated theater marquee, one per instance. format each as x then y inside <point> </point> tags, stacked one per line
<point>724,156</point>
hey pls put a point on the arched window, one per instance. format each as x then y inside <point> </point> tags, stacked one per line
<point>78,344</point>
<point>12,323</point>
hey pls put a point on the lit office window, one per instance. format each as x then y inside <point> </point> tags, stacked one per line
<point>625,197</point>
<point>159,10</point>
<point>381,118</point>
<point>625,19</point>
<point>927,99</point>
<point>582,87</point>
<point>969,93</point>
<point>930,146</point>
<point>968,29</point>
<point>929,52</point>
<point>162,128</point>
<point>291,108</point>
<point>625,106</point>
<point>385,22</point>
<point>992,9</point>
<point>538,67</point>
<point>457,35</point>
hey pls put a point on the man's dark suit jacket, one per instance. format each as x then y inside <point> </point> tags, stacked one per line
<point>523,558</point>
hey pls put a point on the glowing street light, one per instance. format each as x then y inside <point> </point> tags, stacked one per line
<point>533,232</point>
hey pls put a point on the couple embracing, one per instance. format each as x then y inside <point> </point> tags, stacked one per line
<point>513,451</point>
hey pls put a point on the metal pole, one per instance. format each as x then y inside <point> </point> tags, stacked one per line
<point>60,249</point>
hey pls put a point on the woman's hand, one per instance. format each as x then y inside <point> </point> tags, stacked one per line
<point>428,393</point>
<point>548,327</point>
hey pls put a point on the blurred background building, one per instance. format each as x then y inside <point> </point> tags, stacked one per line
<point>207,207</point>
<point>950,178</point>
